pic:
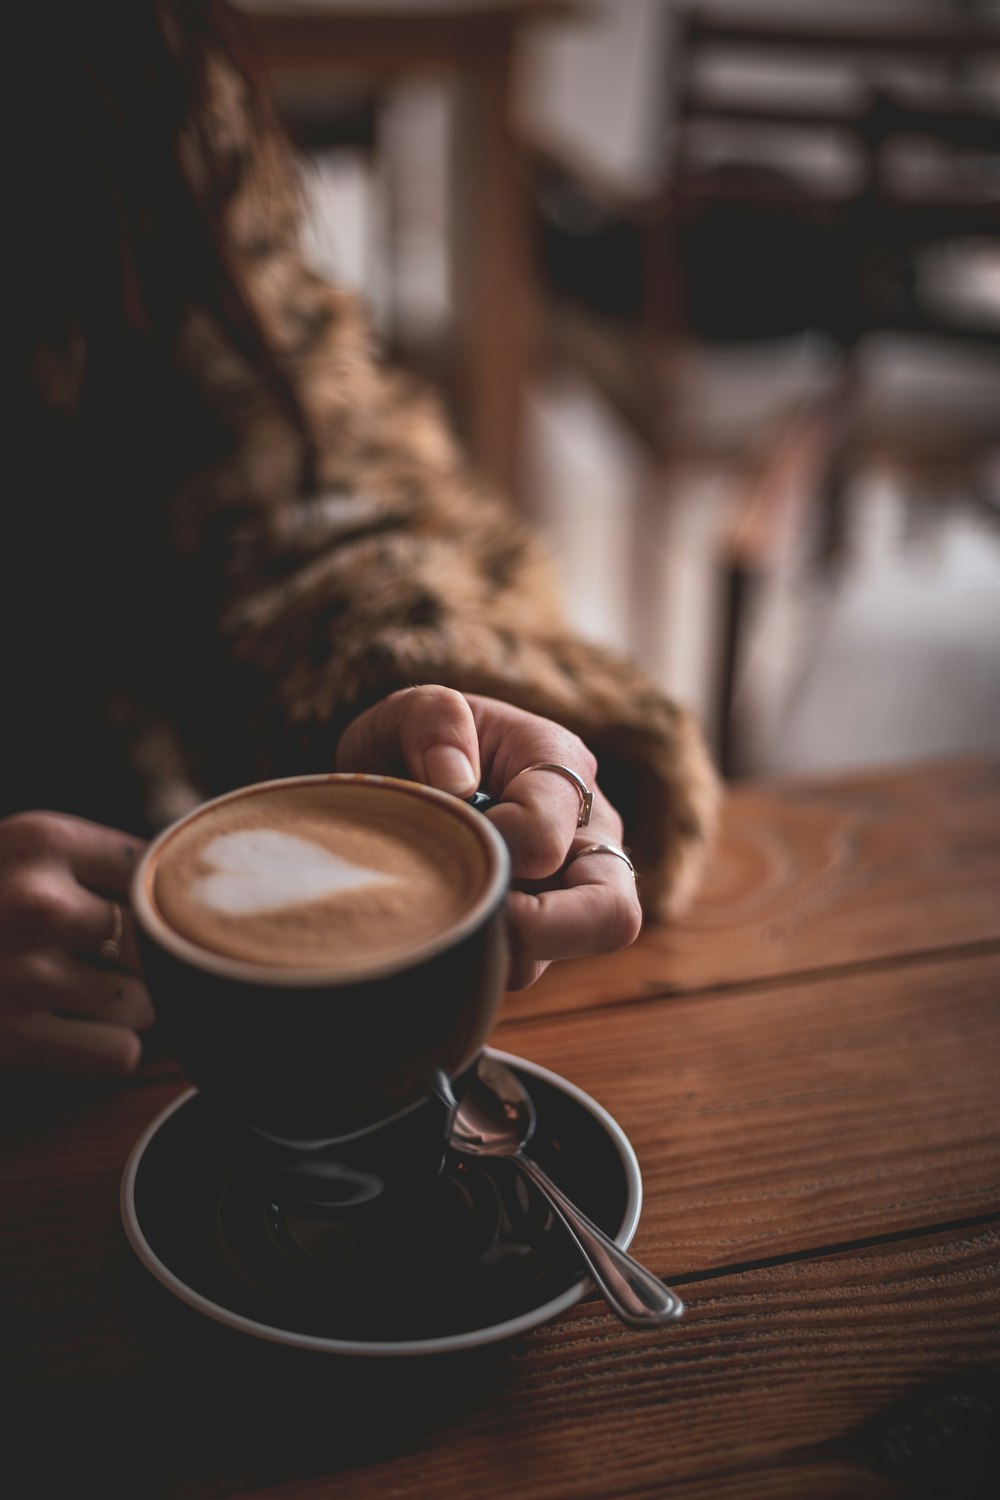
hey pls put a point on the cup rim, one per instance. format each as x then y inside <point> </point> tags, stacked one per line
<point>242,971</point>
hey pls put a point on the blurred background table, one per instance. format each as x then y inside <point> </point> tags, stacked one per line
<point>800,299</point>
<point>807,1067</point>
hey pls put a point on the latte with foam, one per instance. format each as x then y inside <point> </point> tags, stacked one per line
<point>334,876</point>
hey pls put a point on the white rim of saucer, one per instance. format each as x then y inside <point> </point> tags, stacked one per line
<point>451,1343</point>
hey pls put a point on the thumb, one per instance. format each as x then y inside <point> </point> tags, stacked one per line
<point>427,733</point>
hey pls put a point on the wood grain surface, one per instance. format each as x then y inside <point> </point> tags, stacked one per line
<point>817,874</point>
<point>798,1116</point>
<point>816,1122</point>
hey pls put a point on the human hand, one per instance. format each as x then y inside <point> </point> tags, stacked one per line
<point>63,1007</point>
<point>560,906</point>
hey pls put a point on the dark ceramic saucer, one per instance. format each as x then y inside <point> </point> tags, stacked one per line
<point>467,1258</point>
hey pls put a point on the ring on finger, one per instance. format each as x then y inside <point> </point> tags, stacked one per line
<point>110,950</point>
<point>586,795</point>
<point>601,848</point>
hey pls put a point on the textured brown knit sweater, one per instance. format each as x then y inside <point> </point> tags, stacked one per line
<point>186,616</point>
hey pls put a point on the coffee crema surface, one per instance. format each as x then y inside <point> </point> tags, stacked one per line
<point>331,876</point>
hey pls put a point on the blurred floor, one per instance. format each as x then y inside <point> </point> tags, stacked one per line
<point>896,657</point>
<point>907,660</point>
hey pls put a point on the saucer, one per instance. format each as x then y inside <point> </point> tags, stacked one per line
<point>476,1257</point>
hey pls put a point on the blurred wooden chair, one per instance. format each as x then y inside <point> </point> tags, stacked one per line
<point>784,223</point>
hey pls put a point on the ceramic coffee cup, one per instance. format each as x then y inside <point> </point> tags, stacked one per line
<point>318,948</point>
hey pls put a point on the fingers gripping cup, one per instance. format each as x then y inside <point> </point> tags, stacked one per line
<point>318,948</point>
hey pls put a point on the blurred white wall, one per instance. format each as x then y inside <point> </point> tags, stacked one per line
<point>591,86</point>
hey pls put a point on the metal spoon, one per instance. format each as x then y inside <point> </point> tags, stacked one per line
<point>497,1118</point>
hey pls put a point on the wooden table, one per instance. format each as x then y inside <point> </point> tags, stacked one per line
<point>808,1068</point>
<point>471,45</point>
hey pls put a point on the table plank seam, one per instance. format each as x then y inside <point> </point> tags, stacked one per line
<point>839,1247</point>
<point>782,980</point>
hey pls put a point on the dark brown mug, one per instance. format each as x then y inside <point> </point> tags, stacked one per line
<point>328,1051</point>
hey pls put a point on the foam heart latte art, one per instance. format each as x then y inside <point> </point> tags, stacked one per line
<point>263,869</point>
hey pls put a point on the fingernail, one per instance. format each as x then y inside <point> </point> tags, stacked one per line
<point>447,767</point>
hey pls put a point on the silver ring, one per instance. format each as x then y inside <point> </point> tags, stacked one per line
<point>586,795</point>
<point>110,950</point>
<point>601,849</point>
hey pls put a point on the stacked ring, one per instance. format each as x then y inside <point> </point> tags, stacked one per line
<point>601,848</point>
<point>586,795</point>
<point>110,950</point>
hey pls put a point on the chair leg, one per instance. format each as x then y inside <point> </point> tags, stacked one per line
<point>772,509</point>
<point>737,589</point>
<point>832,511</point>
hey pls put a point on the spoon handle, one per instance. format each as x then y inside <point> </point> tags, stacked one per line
<point>637,1296</point>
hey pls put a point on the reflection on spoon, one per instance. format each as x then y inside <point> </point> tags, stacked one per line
<point>496,1117</point>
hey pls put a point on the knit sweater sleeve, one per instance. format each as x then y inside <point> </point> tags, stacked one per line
<point>400,567</point>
